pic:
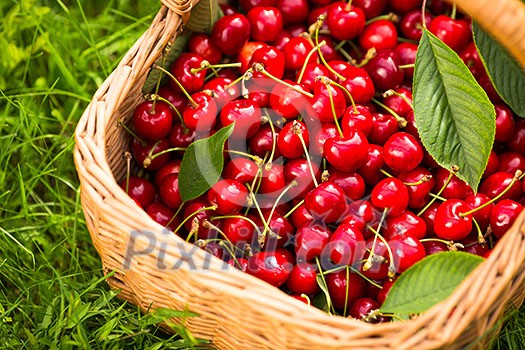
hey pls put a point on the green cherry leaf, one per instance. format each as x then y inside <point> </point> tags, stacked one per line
<point>202,164</point>
<point>428,282</point>
<point>454,116</point>
<point>504,71</point>
<point>204,15</point>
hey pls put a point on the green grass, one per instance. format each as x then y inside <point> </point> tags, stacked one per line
<point>54,54</point>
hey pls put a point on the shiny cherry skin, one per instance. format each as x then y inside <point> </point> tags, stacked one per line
<point>240,169</point>
<point>223,91</point>
<point>347,245</point>
<point>370,171</point>
<point>492,164</point>
<point>356,81</point>
<point>379,268</point>
<point>311,72</point>
<point>448,224</point>
<point>293,11</point>
<point>286,101</point>
<point>302,279</point>
<point>310,240</point>
<point>385,125</point>
<point>517,142</point>
<point>320,135</point>
<point>407,55</point>
<point>362,120</point>
<point>273,181</point>
<point>247,117</point>
<point>470,57</point>
<point>433,247</point>
<point>194,209</point>
<point>384,70</point>
<point>272,60</point>
<point>282,39</point>
<point>481,215</point>
<point>420,182</point>
<point>392,194</point>
<point>177,99</point>
<point>504,123</point>
<point>271,267</point>
<point>380,34</point>
<point>345,21</point>
<point>348,152</point>
<point>406,223</point>
<point>296,51</point>
<point>261,143</point>
<point>456,188</point>
<point>281,227</point>
<point>326,202</point>
<point>239,263</point>
<point>411,25</point>
<point>509,162</point>
<point>496,183</point>
<point>371,8</point>
<point>300,216</point>
<point>429,216</point>
<point>503,216</point>
<point>351,182</point>
<point>230,33</point>
<point>407,250</point>
<point>162,214</point>
<point>401,7</point>
<point>453,32</point>
<point>402,106</point>
<point>201,44</point>
<point>329,50</point>
<point>169,191</point>
<point>265,23</point>
<point>139,189</point>
<point>402,152</point>
<point>362,307</point>
<point>203,116</point>
<point>152,121</point>
<point>181,70</point>
<point>244,57</point>
<point>142,151</point>
<point>338,285</point>
<point>320,105</point>
<point>247,5</point>
<point>228,195</point>
<point>180,136</point>
<point>289,142</point>
<point>238,230</point>
<point>171,167</point>
<point>299,170</point>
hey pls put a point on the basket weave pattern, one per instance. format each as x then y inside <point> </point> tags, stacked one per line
<point>237,310</point>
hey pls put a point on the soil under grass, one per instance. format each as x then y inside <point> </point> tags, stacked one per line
<point>53,56</point>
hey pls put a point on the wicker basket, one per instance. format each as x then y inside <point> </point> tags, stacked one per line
<point>238,311</point>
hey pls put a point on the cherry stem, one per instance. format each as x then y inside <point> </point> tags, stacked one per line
<point>259,233</point>
<point>274,140</point>
<point>128,157</point>
<point>318,26</point>
<point>155,98</point>
<point>297,131</point>
<point>304,296</point>
<point>407,66</point>
<point>194,230</point>
<point>405,40</point>
<point>157,86</point>
<point>348,6</point>
<point>131,132</point>
<point>453,12</point>
<point>392,92</point>
<point>424,178</point>
<point>389,17</point>
<point>391,267</point>
<point>258,67</point>
<point>481,239</point>
<point>437,197</point>
<point>325,286</point>
<point>347,56</point>
<point>257,179</point>
<point>245,77</point>
<point>206,65</point>
<point>332,106</point>
<point>175,215</point>
<point>450,244</point>
<point>265,224</point>
<point>293,209</point>
<point>517,177</point>
<point>255,158</point>
<point>423,13</point>
<point>307,59</point>
<point>453,171</point>
<point>346,290</point>
<point>230,250</point>
<point>402,122</point>
<point>213,207</point>
<point>290,185</point>
<point>226,87</point>
<point>345,90</point>
<point>371,53</point>
<point>176,81</point>
<point>151,156</point>
<point>355,47</point>
<point>386,173</point>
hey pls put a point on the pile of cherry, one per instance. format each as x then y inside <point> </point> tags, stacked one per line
<point>325,181</point>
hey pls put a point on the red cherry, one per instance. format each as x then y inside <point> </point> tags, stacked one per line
<point>195,209</point>
<point>152,148</point>
<point>289,142</point>
<point>433,247</point>
<point>385,125</point>
<point>348,152</point>
<point>371,8</point>
<point>456,188</point>
<point>384,69</point>
<point>504,123</point>
<point>181,69</point>
<point>517,141</point>
<point>360,214</point>
<point>510,162</point>
<point>455,33</point>
<point>272,60</point>
<point>180,136</point>
<point>411,24</point>
<point>470,56</point>
<point>402,152</point>
<point>245,55</point>
<point>177,99</point>
<point>380,34</point>
<point>344,291</point>
<point>448,224</point>
<point>407,223</point>
<point>492,164</point>
<point>418,193</point>
<point>281,227</point>
<point>471,245</point>
<point>202,45</point>
<point>379,268</point>
<point>230,33</point>
<point>392,194</point>
<point>240,169</point>
<point>247,5</point>
<point>152,123</point>
<point>286,101</point>
<point>319,137</point>
<point>229,196</point>
<point>169,191</point>
<point>139,189</point>
<point>238,230</point>
<point>370,171</point>
<point>296,51</point>
<point>503,216</point>
<point>311,72</point>
<point>302,279</point>
<point>383,293</point>
<point>399,104</point>
<point>326,202</point>
<point>429,216</point>
<point>282,39</point>
<point>345,21</point>
<point>357,81</point>
<point>294,11</point>
<point>481,215</point>
<point>272,181</point>
<point>310,240</point>
<point>329,50</point>
<point>347,245</point>
<point>162,214</point>
<point>299,170</point>
<point>223,92</point>
<point>262,142</point>
<point>203,116</point>
<point>321,105</point>
<point>362,307</point>
<point>494,184</point>
<point>407,250</point>
<point>363,120</point>
<point>407,56</point>
<point>171,167</point>
<point>246,115</point>
<point>265,23</point>
<point>352,183</point>
<point>271,267</point>
<point>300,216</point>
<point>239,263</point>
